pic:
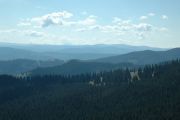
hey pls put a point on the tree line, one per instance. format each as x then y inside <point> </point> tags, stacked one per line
<point>155,96</point>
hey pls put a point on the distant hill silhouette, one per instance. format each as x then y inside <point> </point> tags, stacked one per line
<point>130,60</point>
<point>24,65</point>
<point>143,57</point>
<point>78,67</point>
<point>49,66</point>
<point>65,52</point>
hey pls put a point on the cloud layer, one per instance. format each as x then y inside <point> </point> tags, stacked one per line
<point>87,28</point>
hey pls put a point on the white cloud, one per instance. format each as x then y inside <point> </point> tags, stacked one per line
<point>164,17</point>
<point>117,20</point>
<point>56,18</point>
<point>24,23</point>
<point>143,18</point>
<point>32,33</point>
<point>89,28</point>
<point>118,26</point>
<point>53,18</point>
<point>88,21</point>
<point>91,20</point>
<point>143,27</point>
<point>151,14</point>
<point>122,28</point>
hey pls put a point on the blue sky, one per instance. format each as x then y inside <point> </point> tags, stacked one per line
<point>135,22</point>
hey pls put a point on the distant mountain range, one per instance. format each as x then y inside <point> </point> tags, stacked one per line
<point>37,59</point>
<point>8,53</point>
<point>143,57</point>
<point>130,60</point>
<point>66,52</point>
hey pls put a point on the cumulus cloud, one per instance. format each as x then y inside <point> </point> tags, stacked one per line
<point>164,17</point>
<point>143,18</point>
<point>117,27</point>
<point>91,20</point>
<point>143,27</point>
<point>121,27</point>
<point>56,18</point>
<point>52,19</point>
<point>151,14</point>
<point>116,20</point>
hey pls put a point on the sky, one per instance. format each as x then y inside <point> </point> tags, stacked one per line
<point>153,23</point>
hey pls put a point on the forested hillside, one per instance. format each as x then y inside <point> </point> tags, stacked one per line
<point>57,66</point>
<point>149,93</point>
<point>143,57</point>
<point>18,66</point>
<point>74,67</point>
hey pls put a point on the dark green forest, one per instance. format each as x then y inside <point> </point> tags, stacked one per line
<point>152,94</point>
